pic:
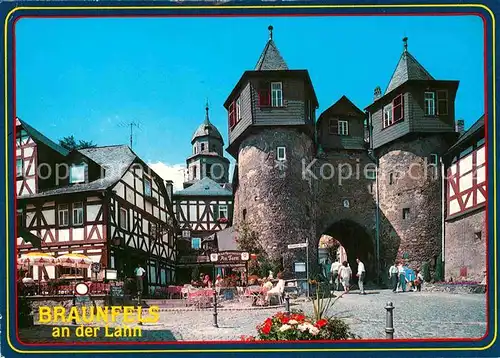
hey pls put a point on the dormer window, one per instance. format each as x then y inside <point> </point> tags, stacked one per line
<point>202,147</point>
<point>77,174</point>
<point>430,103</point>
<point>276,94</point>
<point>343,128</point>
<point>442,98</point>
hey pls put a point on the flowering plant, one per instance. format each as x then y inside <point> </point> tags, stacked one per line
<point>298,327</point>
<point>223,220</point>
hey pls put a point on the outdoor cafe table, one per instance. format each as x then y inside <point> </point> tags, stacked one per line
<point>255,292</point>
<point>200,297</point>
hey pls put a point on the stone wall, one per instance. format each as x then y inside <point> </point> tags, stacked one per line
<point>408,182</point>
<point>463,248</point>
<point>274,198</point>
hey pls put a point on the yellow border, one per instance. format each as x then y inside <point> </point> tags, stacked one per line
<point>493,269</point>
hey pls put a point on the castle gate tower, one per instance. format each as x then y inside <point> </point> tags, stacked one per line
<point>271,132</point>
<point>413,124</point>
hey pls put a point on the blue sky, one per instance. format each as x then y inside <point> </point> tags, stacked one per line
<point>88,77</point>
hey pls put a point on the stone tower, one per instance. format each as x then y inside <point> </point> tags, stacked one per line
<point>412,125</point>
<point>271,133</point>
<point>207,158</point>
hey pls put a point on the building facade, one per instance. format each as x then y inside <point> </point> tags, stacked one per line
<point>205,205</point>
<point>465,248</point>
<point>104,202</point>
<point>370,179</point>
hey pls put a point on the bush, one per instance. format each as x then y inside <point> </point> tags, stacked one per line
<point>426,272</point>
<point>438,275</point>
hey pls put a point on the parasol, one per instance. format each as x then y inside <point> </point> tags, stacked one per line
<point>74,260</point>
<point>37,259</point>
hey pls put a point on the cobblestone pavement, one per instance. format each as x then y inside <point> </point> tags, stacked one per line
<point>416,315</point>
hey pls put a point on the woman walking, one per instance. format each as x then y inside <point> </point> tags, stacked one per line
<point>345,274</point>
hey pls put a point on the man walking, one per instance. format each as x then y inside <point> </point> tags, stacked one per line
<point>393,276</point>
<point>361,276</point>
<point>334,271</point>
<point>139,276</point>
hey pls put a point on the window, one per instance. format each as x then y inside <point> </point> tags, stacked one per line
<point>194,149</point>
<point>19,168</point>
<point>77,174</point>
<point>397,108</point>
<point>194,172</point>
<point>388,115</point>
<point>406,213</point>
<point>63,215</point>
<point>478,236</point>
<point>223,211</point>
<point>429,104</point>
<point>196,243</point>
<point>232,115</point>
<point>434,159</point>
<point>78,214</point>
<point>202,147</point>
<point>147,186</point>
<point>276,94</point>
<point>281,153</point>
<point>371,173</point>
<point>391,178</point>
<point>343,128</point>
<point>333,126</point>
<point>123,218</point>
<point>244,214</point>
<point>21,137</point>
<point>370,188</point>
<point>442,98</point>
<point>238,109</point>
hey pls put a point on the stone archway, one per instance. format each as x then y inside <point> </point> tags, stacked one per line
<point>357,244</point>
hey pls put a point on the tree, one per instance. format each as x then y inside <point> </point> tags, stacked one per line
<point>70,143</point>
<point>248,240</point>
<point>438,275</point>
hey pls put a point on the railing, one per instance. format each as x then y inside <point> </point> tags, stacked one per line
<point>60,289</point>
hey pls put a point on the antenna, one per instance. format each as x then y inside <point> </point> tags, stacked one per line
<point>132,125</point>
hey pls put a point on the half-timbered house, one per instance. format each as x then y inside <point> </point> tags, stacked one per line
<point>104,202</point>
<point>465,226</point>
<point>205,205</point>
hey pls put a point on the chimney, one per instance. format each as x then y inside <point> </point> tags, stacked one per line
<point>377,93</point>
<point>459,126</point>
<point>169,184</point>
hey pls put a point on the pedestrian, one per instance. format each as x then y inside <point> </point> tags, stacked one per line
<point>139,277</point>
<point>345,275</point>
<point>419,281</point>
<point>401,278</point>
<point>361,276</point>
<point>334,271</point>
<point>393,276</point>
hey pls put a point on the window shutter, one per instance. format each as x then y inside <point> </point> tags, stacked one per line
<point>215,209</point>
<point>264,97</point>
<point>334,126</point>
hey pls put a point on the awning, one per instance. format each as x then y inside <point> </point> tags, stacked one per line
<point>226,239</point>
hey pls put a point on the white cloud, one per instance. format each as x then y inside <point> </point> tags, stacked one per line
<point>173,172</point>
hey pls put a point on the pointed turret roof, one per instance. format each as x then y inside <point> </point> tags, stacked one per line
<point>408,68</point>
<point>207,129</point>
<point>271,59</point>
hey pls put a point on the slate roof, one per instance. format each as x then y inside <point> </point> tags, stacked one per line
<point>205,187</point>
<point>469,133</point>
<point>39,137</point>
<point>342,99</point>
<point>271,59</point>
<point>207,129</point>
<point>114,159</point>
<point>408,68</point>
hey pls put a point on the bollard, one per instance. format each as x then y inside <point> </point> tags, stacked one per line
<point>287,303</point>
<point>389,321</point>
<point>215,310</point>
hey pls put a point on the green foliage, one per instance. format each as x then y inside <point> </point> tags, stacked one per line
<point>426,272</point>
<point>323,301</point>
<point>70,143</point>
<point>439,274</point>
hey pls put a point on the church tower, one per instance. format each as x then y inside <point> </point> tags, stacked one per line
<point>412,125</point>
<point>207,158</point>
<point>271,134</point>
